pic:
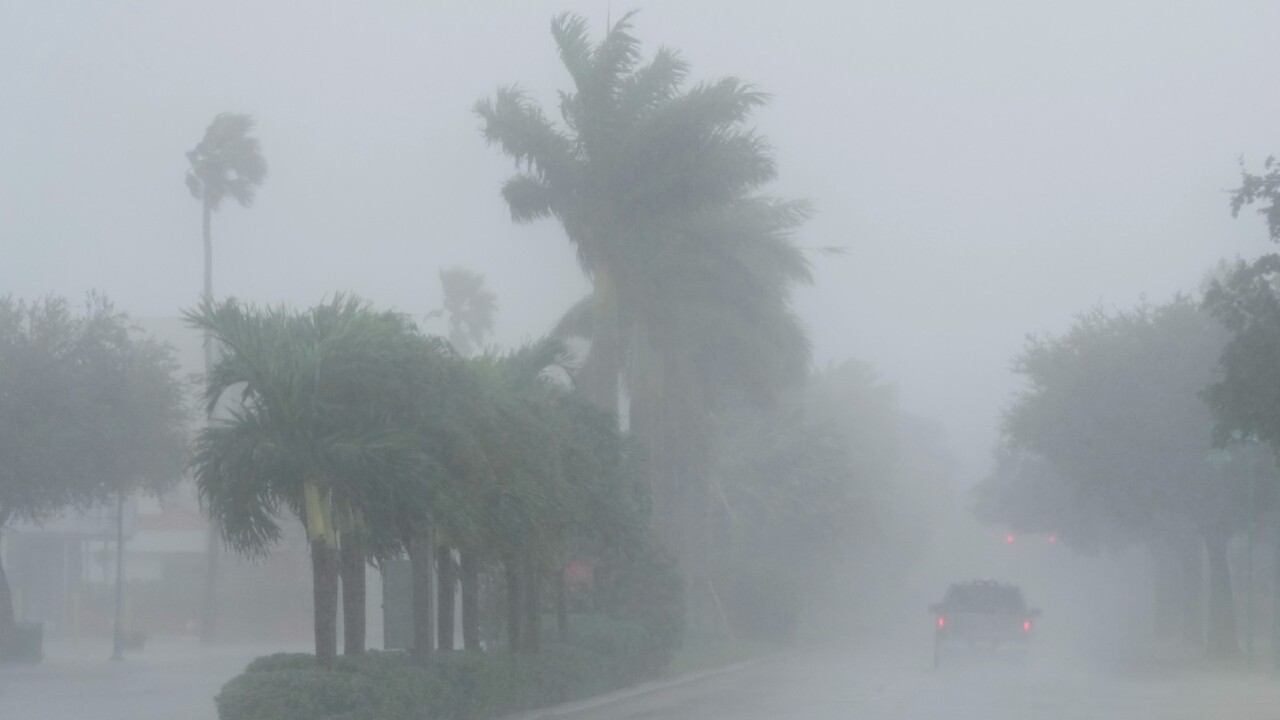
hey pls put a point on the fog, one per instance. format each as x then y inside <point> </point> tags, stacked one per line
<point>993,169</point>
<point>979,172</point>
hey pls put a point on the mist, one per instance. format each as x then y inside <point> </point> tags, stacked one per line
<point>743,394</point>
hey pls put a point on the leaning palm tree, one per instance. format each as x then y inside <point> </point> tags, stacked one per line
<point>309,430</point>
<point>227,162</point>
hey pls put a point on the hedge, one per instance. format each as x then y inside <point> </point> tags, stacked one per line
<point>602,655</point>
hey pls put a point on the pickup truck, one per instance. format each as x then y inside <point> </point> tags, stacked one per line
<point>982,615</point>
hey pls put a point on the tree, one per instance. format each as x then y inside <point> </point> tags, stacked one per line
<point>89,411</point>
<point>1114,412</point>
<point>227,162</point>
<point>637,154</point>
<point>468,309</point>
<point>799,488</point>
<point>309,430</point>
<point>656,185</point>
<point>1245,298</point>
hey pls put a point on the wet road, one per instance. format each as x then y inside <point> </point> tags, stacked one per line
<point>179,681</point>
<point>169,680</point>
<point>818,685</point>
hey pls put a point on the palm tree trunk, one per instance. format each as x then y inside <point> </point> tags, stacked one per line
<point>1223,639</point>
<point>353,593</point>
<point>514,640</point>
<point>420,561</point>
<point>603,364</point>
<point>209,610</point>
<point>532,629</point>
<point>324,572</point>
<point>470,581</point>
<point>446,572</point>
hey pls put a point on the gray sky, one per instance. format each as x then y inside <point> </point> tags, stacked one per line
<point>993,168</point>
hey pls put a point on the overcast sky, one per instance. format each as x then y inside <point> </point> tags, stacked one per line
<point>992,168</point>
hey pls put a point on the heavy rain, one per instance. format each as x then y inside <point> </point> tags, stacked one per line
<point>577,359</point>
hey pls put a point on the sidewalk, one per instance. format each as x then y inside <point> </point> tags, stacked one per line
<point>170,678</point>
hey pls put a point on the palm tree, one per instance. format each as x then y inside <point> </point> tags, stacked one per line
<point>637,151</point>
<point>311,432</point>
<point>657,186</point>
<point>227,162</point>
<point>468,309</point>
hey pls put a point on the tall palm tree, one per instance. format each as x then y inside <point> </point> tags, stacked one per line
<point>657,185</point>
<point>309,430</point>
<point>637,151</point>
<point>227,162</point>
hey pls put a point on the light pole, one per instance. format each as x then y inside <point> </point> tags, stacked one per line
<point>117,635</point>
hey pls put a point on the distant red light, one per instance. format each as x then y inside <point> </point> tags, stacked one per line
<point>942,622</point>
<point>1009,539</point>
<point>1053,538</point>
<point>1026,625</point>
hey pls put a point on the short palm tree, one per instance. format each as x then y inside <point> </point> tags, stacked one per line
<point>468,310</point>
<point>308,430</point>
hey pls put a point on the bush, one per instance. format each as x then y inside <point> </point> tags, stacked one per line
<point>602,655</point>
<point>645,587</point>
<point>291,686</point>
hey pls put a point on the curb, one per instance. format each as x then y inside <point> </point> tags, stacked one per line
<point>574,709</point>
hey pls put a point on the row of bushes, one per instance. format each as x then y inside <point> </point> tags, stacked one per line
<point>602,655</point>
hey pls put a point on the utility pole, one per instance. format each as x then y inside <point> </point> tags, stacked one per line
<point>1275,594</point>
<point>117,635</point>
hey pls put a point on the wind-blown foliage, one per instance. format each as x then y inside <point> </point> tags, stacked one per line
<point>657,184</point>
<point>89,410</point>
<point>314,424</point>
<point>227,162</point>
<point>469,309</point>
<point>800,487</point>
<point>1112,443</point>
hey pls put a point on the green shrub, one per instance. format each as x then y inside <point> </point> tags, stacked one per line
<point>644,586</point>
<point>289,686</point>
<point>282,661</point>
<point>602,654</point>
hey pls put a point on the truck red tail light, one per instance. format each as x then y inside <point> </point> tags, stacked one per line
<point>942,622</point>
<point>1026,625</point>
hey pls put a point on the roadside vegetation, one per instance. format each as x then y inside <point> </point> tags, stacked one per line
<point>1158,427</point>
<point>661,483</point>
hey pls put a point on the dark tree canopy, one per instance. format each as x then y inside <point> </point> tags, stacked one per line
<point>1112,440</point>
<point>88,408</point>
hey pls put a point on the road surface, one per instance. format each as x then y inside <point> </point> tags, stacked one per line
<point>829,684</point>
<point>178,679</point>
<point>169,680</point>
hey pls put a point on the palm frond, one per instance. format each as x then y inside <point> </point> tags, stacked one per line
<point>519,127</point>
